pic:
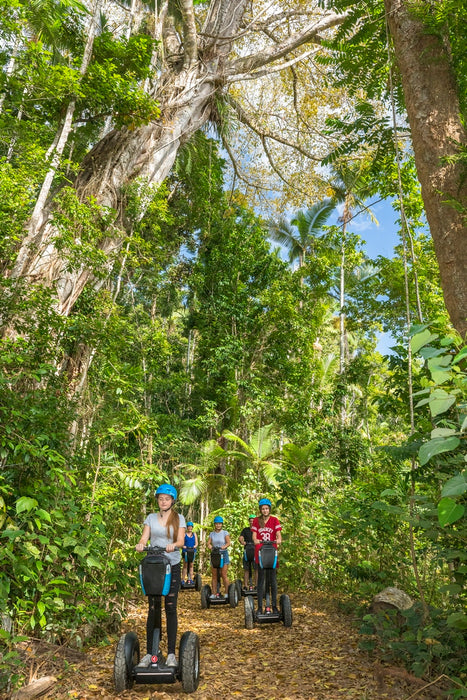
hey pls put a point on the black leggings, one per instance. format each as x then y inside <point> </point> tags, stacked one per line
<point>261,586</point>
<point>154,613</point>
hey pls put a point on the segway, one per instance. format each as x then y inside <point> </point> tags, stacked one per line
<point>188,555</point>
<point>268,562</point>
<point>155,576</point>
<point>209,597</point>
<point>248,556</point>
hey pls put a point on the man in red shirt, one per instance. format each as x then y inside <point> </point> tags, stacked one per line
<point>266,528</point>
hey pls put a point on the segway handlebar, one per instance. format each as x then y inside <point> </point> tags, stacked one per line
<point>157,550</point>
<point>268,542</point>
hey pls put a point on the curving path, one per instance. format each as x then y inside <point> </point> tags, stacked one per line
<point>317,659</point>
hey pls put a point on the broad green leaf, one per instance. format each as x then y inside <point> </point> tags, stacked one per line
<point>93,562</point>
<point>451,588</point>
<point>460,355</point>
<point>440,401</point>
<point>443,432</point>
<point>457,620</point>
<point>435,447</point>
<point>32,549</point>
<point>430,352</point>
<point>439,375</point>
<point>443,361</point>
<point>422,402</point>
<point>69,541</point>
<point>44,515</point>
<point>449,511</point>
<point>25,504</point>
<point>421,339</point>
<point>81,551</point>
<point>455,486</point>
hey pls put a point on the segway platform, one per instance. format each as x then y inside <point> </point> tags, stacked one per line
<point>155,577</point>
<point>242,591</point>
<point>208,598</point>
<point>194,585</point>
<point>189,554</point>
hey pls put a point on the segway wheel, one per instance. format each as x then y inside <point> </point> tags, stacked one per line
<point>189,661</point>
<point>233,595</point>
<point>126,657</point>
<point>205,595</point>
<point>198,582</point>
<point>286,610</point>
<point>238,583</point>
<point>249,621</point>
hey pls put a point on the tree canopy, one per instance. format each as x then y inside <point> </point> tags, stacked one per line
<point>163,169</point>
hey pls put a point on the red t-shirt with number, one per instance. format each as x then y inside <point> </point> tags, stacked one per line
<point>266,532</point>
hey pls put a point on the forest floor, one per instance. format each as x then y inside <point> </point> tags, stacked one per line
<point>318,658</point>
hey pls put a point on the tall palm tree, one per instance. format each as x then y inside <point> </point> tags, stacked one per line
<point>297,236</point>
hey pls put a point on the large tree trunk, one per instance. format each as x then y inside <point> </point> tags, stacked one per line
<point>192,72</point>
<point>121,156</point>
<point>433,111</point>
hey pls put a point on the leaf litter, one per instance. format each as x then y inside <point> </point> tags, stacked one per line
<point>318,658</point>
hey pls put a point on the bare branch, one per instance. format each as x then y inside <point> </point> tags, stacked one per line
<point>310,34</point>
<point>274,69</point>
<point>243,117</point>
<point>237,172</point>
<point>273,165</point>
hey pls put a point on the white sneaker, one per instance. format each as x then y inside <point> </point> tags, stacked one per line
<point>171,660</point>
<point>145,661</point>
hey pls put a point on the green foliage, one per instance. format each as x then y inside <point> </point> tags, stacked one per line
<point>425,645</point>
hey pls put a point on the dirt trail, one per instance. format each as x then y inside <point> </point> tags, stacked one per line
<point>316,659</point>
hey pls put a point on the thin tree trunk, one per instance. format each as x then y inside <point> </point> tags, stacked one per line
<point>433,111</point>
<point>39,213</point>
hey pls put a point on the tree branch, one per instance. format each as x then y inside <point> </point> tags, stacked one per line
<point>273,69</point>
<point>309,34</point>
<point>243,117</point>
<point>276,169</point>
<point>237,172</point>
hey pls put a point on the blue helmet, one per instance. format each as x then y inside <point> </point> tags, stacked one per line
<point>167,489</point>
<point>265,502</point>
<point>218,519</point>
<point>189,523</point>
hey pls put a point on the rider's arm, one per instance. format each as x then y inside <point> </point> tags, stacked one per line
<point>256,540</point>
<point>241,539</point>
<point>278,537</point>
<point>196,539</point>
<point>144,539</point>
<point>227,542</point>
<point>209,542</point>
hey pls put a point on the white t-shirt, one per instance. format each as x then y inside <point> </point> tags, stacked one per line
<point>218,539</point>
<point>158,537</point>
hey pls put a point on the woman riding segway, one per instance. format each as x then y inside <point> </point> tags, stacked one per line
<point>190,546</point>
<point>266,528</point>
<point>220,538</point>
<point>164,529</point>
